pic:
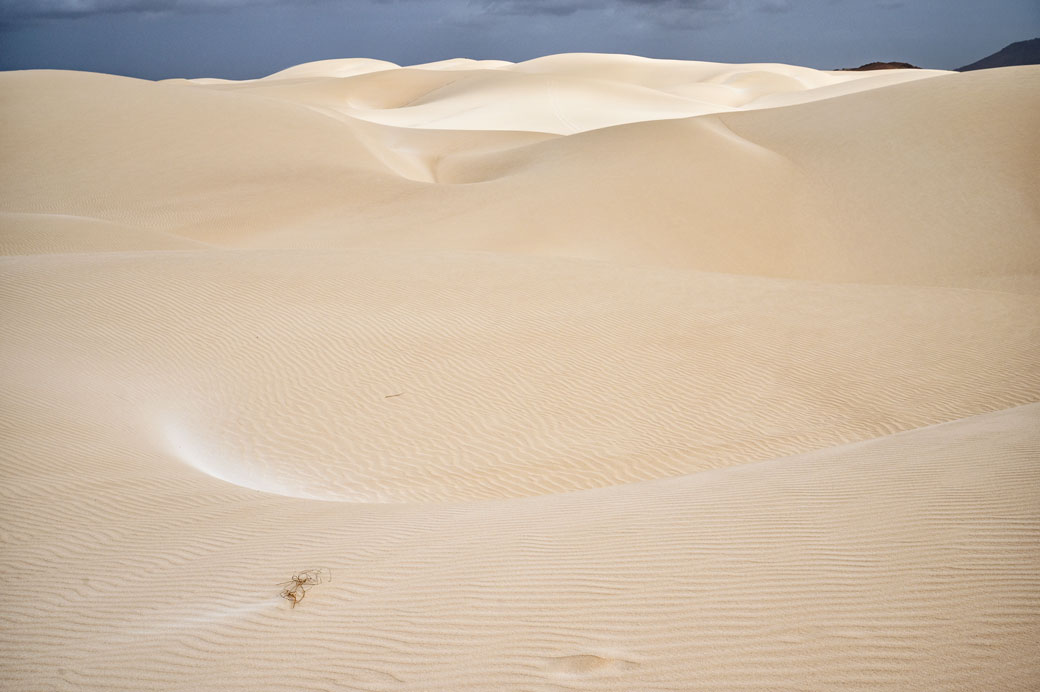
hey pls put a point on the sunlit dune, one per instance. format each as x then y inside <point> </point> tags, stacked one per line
<point>592,372</point>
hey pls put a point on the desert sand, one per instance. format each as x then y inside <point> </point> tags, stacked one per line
<point>592,372</point>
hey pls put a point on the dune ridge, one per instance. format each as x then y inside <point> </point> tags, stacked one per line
<point>592,372</point>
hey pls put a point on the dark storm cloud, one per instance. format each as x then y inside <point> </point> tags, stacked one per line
<point>65,9</point>
<point>670,14</point>
<point>61,9</point>
<point>556,8</point>
<point>241,39</point>
<point>568,7</point>
<point>562,8</point>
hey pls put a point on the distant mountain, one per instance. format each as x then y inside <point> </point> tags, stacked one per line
<point>881,66</point>
<point>1021,53</point>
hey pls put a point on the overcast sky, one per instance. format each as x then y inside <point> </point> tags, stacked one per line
<point>250,38</point>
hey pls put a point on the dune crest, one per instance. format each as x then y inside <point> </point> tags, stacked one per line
<point>591,372</point>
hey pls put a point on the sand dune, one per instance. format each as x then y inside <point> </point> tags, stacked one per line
<point>592,372</point>
<point>560,94</point>
<point>829,190</point>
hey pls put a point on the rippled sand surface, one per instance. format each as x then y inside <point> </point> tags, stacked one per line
<point>592,372</point>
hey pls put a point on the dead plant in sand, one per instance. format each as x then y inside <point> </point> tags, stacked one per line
<point>296,588</point>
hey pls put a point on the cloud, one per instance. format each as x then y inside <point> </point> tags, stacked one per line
<point>66,9</point>
<point>568,7</point>
<point>775,6</point>
<point>681,14</point>
<point>44,9</point>
<point>556,8</point>
<point>678,13</point>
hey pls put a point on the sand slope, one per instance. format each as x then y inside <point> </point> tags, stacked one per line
<point>831,189</point>
<point>587,373</point>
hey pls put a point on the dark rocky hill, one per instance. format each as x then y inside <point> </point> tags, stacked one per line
<point>881,66</point>
<point>1021,53</point>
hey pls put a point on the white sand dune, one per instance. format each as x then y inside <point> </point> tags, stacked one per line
<point>559,94</point>
<point>592,372</point>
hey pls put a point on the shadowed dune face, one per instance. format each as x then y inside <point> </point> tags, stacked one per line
<point>623,373</point>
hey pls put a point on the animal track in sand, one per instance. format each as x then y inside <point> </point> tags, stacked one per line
<point>588,663</point>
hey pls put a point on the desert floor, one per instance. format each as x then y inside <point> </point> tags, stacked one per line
<point>592,372</point>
